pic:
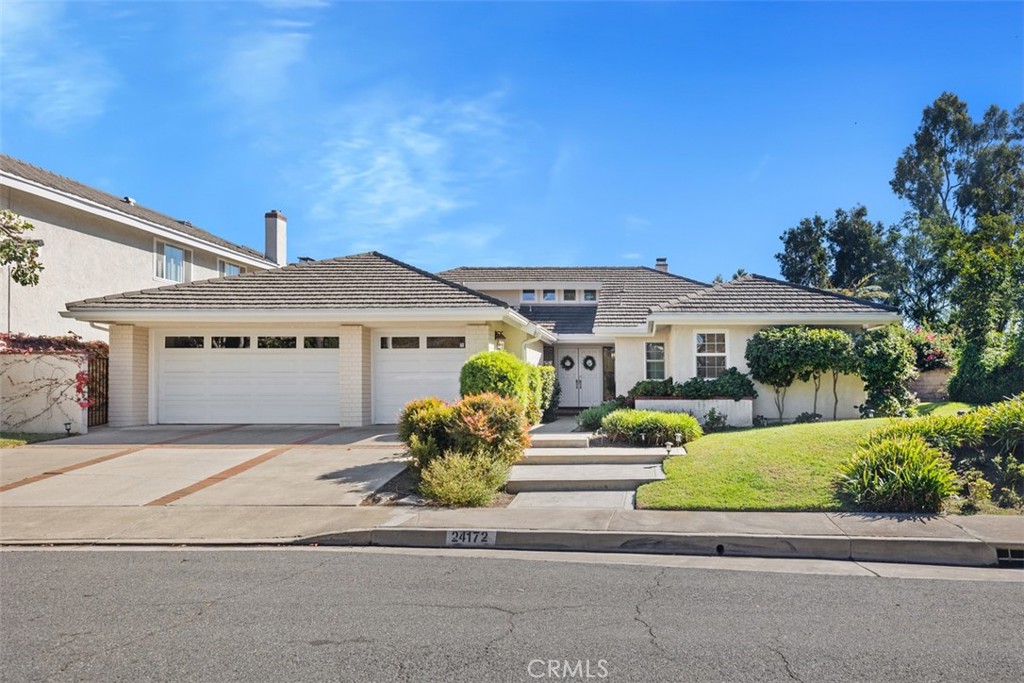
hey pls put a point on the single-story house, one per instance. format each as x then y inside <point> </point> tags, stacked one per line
<point>350,340</point>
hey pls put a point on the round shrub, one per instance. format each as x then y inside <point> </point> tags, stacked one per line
<point>901,474</point>
<point>462,480</point>
<point>650,427</point>
<point>425,426</point>
<point>499,372</point>
<point>490,426</point>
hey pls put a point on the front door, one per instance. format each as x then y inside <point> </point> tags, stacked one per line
<point>580,375</point>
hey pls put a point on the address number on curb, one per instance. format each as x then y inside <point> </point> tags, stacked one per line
<point>469,538</point>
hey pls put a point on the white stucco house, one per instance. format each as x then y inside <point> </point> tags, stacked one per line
<point>350,340</point>
<point>94,243</point>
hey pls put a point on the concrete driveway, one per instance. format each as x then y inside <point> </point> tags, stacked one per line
<point>216,466</point>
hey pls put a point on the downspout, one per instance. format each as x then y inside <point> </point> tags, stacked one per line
<point>538,336</point>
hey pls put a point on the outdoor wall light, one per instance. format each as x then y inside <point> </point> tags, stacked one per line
<point>67,428</point>
<point>499,340</point>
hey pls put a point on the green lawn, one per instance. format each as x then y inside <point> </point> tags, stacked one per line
<point>789,468</point>
<point>14,439</point>
<point>944,408</point>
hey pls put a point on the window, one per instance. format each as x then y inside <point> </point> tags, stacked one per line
<point>590,295</point>
<point>710,354</point>
<point>569,295</point>
<point>275,342</point>
<point>529,295</point>
<point>384,343</point>
<point>655,357</point>
<point>446,342</point>
<point>229,342</point>
<point>227,269</point>
<point>549,295</point>
<point>171,262</point>
<point>405,342</point>
<point>320,342</point>
<point>183,342</point>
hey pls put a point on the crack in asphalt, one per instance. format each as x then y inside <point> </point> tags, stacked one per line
<point>639,616</point>
<point>785,661</point>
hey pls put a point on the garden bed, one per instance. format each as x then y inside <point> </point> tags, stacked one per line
<point>737,413</point>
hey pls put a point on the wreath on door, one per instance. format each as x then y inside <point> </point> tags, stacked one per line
<point>567,363</point>
<point>590,362</point>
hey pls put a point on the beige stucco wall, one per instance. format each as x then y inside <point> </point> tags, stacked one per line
<point>83,256</point>
<point>128,397</point>
<point>681,363</point>
<point>37,393</point>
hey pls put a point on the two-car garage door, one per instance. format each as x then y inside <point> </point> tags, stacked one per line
<point>288,377</point>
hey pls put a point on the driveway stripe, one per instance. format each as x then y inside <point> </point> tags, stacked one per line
<point>239,468</point>
<point>109,456</point>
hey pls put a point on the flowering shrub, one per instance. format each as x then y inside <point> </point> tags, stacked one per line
<point>934,351</point>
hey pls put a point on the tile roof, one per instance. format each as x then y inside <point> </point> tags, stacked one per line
<point>361,281</point>
<point>760,294</point>
<point>57,182</point>
<point>626,296</point>
<point>562,319</point>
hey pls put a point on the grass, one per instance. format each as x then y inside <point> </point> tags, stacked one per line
<point>944,408</point>
<point>787,468</point>
<point>15,439</point>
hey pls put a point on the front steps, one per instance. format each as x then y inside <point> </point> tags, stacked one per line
<point>581,477</point>
<point>571,440</point>
<point>596,455</point>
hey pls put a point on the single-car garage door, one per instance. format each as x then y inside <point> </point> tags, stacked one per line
<point>414,364</point>
<point>248,379</point>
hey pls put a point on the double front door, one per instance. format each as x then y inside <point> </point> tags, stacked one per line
<point>580,375</point>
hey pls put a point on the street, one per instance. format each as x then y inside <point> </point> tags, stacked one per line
<point>379,615</point>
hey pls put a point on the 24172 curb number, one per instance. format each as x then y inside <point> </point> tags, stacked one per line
<point>469,538</point>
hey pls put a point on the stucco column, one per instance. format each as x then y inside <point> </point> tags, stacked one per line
<point>355,376</point>
<point>129,376</point>
<point>478,338</point>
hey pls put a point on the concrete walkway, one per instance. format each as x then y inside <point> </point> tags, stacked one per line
<point>966,541</point>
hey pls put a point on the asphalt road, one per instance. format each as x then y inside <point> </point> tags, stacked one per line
<point>328,615</point>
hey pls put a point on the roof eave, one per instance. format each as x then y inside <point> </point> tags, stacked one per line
<point>144,316</point>
<point>780,318</point>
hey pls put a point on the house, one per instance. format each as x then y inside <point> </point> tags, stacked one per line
<point>94,243</point>
<point>350,340</point>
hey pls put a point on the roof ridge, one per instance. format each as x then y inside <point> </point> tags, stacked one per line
<point>438,278</point>
<point>818,290</point>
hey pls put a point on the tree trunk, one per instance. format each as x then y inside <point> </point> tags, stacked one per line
<point>835,395</point>
<point>817,386</point>
<point>780,401</point>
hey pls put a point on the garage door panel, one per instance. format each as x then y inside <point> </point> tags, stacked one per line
<point>214,386</point>
<point>402,375</point>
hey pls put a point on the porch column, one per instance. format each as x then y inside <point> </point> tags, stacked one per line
<point>129,376</point>
<point>355,376</point>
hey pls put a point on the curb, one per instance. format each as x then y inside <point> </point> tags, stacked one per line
<point>941,551</point>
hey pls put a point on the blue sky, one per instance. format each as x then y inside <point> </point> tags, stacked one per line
<point>498,133</point>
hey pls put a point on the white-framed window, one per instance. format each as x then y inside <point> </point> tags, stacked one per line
<point>226,269</point>
<point>568,295</point>
<point>710,351</point>
<point>590,295</point>
<point>549,295</point>
<point>654,356</point>
<point>529,295</point>
<point>172,263</point>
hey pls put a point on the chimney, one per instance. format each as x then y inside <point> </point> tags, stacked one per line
<point>661,264</point>
<point>277,237</point>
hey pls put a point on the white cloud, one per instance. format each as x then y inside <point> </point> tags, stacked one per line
<point>396,175</point>
<point>256,68</point>
<point>48,73</point>
<point>634,223</point>
<point>632,256</point>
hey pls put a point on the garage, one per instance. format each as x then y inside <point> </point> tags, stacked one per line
<point>248,378</point>
<point>411,364</point>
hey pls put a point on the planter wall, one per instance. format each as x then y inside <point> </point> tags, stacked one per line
<point>930,385</point>
<point>737,413</point>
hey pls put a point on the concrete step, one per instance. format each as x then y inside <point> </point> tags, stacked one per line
<point>603,500</point>
<point>567,440</point>
<point>604,455</point>
<point>581,477</point>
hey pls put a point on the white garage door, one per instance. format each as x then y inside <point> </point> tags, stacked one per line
<point>248,379</point>
<point>409,365</point>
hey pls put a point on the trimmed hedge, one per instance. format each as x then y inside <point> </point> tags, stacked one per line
<point>650,427</point>
<point>462,480</point>
<point>590,418</point>
<point>899,474</point>
<point>499,372</point>
<point>730,384</point>
<point>550,393</point>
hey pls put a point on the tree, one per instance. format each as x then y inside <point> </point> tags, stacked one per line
<point>17,250</point>
<point>920,281</point>
<point>740,272</point>
<point>885,358</point>
<point>959,169</point>
<point>837,346</point>
<point>775,358</point>
<point>804,260</point>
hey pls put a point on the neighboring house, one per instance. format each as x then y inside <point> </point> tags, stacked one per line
<point>350,340</point>
<point>94,243</point>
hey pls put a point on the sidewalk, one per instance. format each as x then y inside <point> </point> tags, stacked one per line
<point>965,541</point>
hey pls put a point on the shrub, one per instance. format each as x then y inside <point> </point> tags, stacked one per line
<point>932,350</point>
<point>948,433</point>
<point>550,393</point>
<point>805,418</point>
<point>590,419</point>
<point>650,427</point>
<point>901,474</point>
<point>886,361</point>
<point>714,421</point>
<point>979,490</point>
<point>426,419</point>
<point>491,426</point>
<point>989,370</point>
<point>653,388</point>
<point>462,480</point>
<point>499,372</point>
<point>775,356</point>
<point>730,384</point>
<point>1004,423</point>
<point>535,384</point>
